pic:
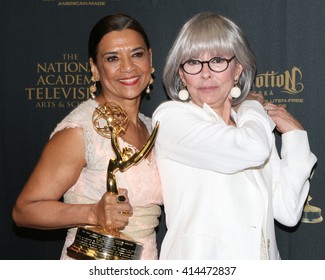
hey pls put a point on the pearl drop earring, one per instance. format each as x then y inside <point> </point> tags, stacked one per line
<point>235,92</point>
<point>183,94</point>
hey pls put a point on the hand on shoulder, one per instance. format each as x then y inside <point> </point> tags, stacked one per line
<point>283,119</point>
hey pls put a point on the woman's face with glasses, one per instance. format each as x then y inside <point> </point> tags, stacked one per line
<point>209,78</point>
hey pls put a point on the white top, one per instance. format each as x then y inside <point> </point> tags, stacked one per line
<point>141,180</point>
<point>223,185</point>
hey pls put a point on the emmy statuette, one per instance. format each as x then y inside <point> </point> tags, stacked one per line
<point>311,214</point>
<point>96,242</point>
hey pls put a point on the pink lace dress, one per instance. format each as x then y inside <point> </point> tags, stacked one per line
<point>142,181</point>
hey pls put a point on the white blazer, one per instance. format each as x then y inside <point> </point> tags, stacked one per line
<point>223,186</point>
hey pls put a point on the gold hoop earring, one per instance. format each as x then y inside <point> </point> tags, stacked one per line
<point>93,88</point>
<point>148,89</point>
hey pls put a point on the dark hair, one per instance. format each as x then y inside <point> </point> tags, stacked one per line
<point>111,23</point>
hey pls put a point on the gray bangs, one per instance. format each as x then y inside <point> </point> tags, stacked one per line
<point>213,38</point>
<point>207,33</point>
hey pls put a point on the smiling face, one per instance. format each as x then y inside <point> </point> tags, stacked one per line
<point>123,65</point>
<point>210,87</point>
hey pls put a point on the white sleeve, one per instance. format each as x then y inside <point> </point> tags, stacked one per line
<point>193,136</point>
<point>291,176</point>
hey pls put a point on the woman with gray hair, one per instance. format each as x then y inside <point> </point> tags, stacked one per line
<point>223,180</point>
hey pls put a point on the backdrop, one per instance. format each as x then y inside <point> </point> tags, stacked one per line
<point>44,76</point>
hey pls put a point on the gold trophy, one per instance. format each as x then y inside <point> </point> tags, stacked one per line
<point>311,214</point>
<point>96,242</point>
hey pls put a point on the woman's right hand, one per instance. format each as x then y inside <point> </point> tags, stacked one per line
<point>113,211</point>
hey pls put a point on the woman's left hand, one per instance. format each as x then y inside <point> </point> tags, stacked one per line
<point>284,121</point>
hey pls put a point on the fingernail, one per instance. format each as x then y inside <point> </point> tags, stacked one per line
<point>121,198</point>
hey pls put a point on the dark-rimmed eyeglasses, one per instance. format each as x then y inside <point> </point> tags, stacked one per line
<point>216,64</point>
